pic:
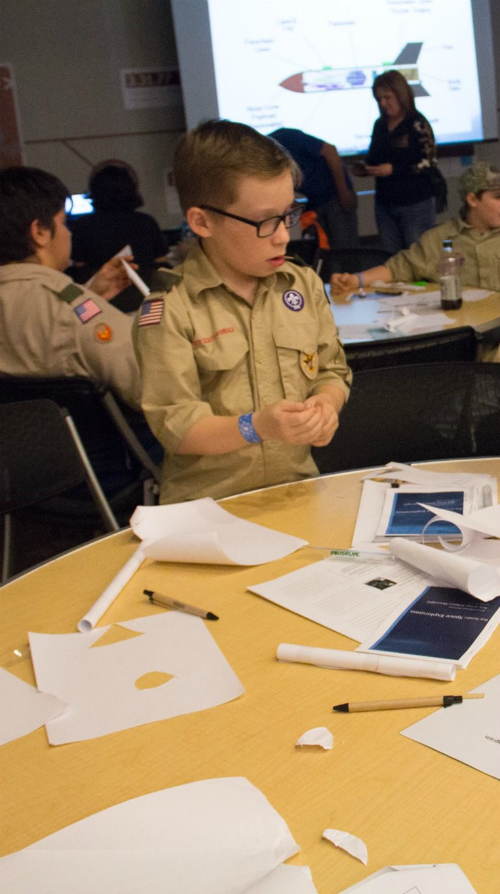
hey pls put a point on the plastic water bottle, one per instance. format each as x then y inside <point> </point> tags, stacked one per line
<point>449,277</point>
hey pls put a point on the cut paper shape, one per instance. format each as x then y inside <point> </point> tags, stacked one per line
<point>99,684</point>
<point>22,708</point>
<point>473,577</point>
<point>201,531</point>
<point>318,736</point>
<point>216,836</point>
<point>350,843</point>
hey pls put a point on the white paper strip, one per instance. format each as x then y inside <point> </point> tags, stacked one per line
<point>136,279</point>
<point>481,581</point>
<point>113,589</point>
<point>380,664</point>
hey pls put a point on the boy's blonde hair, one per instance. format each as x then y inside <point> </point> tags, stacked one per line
<point>209,161</point>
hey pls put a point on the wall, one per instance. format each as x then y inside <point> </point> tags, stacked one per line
<point>67,56</point>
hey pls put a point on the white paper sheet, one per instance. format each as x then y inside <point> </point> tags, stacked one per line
<point>319,737</point>
<point>22,708</point>
<point>475,294</point>
<point>202,531</point>
<point>346,595</point>
<point>485,521</point>
<point>481,491</point>
<point>480,580</point>
<point>350,843</point>
<point>99,684</point>
<point>470,734</point>
<point>286,880</point>
<point>380,664</point>
<point>217,836</point>
<point>440,878</point>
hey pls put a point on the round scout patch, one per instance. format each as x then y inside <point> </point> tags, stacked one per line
<point>309,364</point>
<point>293,300</point>
<point>103,332</point>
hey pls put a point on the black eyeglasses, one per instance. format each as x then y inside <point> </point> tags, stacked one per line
<point>264,227</point>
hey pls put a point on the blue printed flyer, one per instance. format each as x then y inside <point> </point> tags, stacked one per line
<point>443,623</point>
<point>404,516</point>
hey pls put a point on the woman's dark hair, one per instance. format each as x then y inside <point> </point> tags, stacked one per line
<point>26,194</point>
<point>395,81</point>
<point>114,186</point>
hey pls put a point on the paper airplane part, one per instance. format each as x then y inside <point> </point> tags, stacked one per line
<point>22,708</point>
<point>216,836</point>
<point>354,846</point>
<point>100,684</point>
<point>319,736</point>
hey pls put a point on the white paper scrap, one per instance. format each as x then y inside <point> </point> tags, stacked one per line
<point>100,684</point>
<point>479,580</point>
<point>437,878</point>
<point>216,836</point>
<point>350,843</point>
<point>318,736</point>
<point>22,708</point>
<point>470,734</point>
<point>202,531</point>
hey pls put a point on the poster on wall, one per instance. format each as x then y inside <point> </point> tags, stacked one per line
<point>150,88</point>
<point>11,147</point>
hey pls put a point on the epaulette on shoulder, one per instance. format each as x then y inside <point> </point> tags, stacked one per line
<point>69,293</point>
<point>163,279</point>
<point>296,259</point>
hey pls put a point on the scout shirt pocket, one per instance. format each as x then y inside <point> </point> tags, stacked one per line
<point>297,351</point>
<point>222,361</point>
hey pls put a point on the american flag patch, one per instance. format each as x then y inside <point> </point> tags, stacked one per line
<point>151,312</point>
<point>87,310</point>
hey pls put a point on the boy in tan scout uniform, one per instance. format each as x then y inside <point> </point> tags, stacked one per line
<point>241,364</point>
<point>49,326</point>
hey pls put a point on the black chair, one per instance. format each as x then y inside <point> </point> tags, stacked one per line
<point>458,344</point>
<point>109,433</point>
<point>306,249</point>
<point>415,413</point>
<point>41,456</point>
<point>350,260</point>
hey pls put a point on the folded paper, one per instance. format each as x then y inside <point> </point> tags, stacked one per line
<point>319,736</point>
<point>473,577</point>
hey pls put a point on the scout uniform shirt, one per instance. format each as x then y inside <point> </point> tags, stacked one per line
<point>49,326</point>
<point>205,351</point>
<point>481,251</point>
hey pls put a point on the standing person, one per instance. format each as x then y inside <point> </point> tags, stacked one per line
<point>326,184</point>
<point>242,367</point>
<point>401,153</point>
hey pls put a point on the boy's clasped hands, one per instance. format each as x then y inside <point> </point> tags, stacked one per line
<point>312,421</point>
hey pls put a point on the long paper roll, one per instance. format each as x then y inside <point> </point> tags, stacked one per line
<point>111,592</point>
<point>379,664</point>
<point>476,578</point>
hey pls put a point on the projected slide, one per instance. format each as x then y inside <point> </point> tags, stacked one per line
<point>310,65</point>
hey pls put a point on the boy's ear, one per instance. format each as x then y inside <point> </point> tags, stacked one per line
<point>199,222</point>
<point>40,235</point>
<point>472,200</point>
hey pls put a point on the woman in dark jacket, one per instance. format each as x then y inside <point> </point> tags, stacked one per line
<point>401,153</point>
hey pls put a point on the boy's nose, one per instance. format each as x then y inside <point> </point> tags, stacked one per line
<point>282,234</point>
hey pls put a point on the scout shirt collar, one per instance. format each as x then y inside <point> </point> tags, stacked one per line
<point>464,225</point>
<point>199,274</point>
<point>28,271</point>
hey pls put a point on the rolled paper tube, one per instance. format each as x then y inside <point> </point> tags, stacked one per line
<point>379,664</point>
<point>475,578</point>
<point>111,592</point>
<point>136,279</point>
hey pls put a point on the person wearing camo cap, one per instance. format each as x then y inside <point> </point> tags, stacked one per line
<point>475,233</point>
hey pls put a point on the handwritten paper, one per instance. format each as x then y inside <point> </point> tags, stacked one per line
<point>216,836</point>
<point>102,685</point>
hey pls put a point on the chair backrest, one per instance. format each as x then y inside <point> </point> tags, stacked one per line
<point>106,434</point>
<point>38,458</point>
<point>417,412</point>
<point>350,260</point>
<point>431,347</point>
<point>307,249</point>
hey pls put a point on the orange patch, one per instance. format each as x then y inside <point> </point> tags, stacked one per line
<point>103,332</point>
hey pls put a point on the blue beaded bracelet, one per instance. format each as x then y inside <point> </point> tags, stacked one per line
<point>246,428</point>
<point>361,280</point>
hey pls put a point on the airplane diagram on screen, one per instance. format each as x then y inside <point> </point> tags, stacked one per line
<point>328,78</point>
